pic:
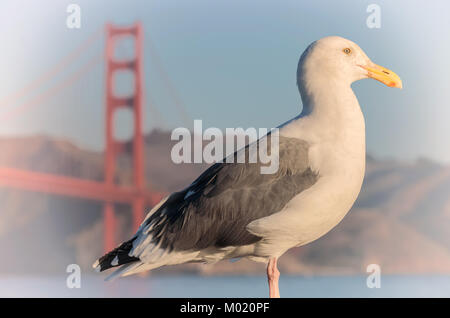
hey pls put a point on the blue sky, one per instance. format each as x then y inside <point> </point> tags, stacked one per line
<point>233,64</point>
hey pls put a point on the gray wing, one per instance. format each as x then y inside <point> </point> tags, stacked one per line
<point>216,208</point>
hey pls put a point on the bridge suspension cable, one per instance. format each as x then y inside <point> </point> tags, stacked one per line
<point>52,71</point>
<point>11,113</point>
<point>168,84</point>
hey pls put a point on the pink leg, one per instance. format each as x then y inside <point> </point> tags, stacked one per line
<point>273,275</point>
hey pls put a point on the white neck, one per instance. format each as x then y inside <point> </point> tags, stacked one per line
<point>331,112</point>
<point>331,105</point>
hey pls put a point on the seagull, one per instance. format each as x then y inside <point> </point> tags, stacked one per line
<point>232,210</point>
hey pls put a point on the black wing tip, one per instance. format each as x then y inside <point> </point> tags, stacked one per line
<point>117,257</point>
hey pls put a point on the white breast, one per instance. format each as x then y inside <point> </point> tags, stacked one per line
<point>340,163</point>
<point>337,153</point>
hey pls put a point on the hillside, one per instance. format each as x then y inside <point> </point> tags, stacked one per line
<point>400,220</point>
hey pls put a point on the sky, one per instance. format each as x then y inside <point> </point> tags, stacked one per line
<point>230,63</point>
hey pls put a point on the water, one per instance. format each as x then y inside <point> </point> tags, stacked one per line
<point>234,286</point>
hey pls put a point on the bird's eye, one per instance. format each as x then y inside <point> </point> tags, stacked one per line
<point>347,51</point>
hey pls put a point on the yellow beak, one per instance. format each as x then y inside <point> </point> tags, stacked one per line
<point>383,75</point>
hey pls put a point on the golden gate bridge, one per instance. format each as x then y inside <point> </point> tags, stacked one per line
<point>138,195</point>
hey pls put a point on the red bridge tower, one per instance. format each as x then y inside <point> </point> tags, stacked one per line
<point>114,147</point>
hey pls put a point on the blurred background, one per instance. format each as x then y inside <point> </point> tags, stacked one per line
<point>71,186</point>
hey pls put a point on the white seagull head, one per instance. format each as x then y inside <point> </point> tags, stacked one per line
<point>337,60</point>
